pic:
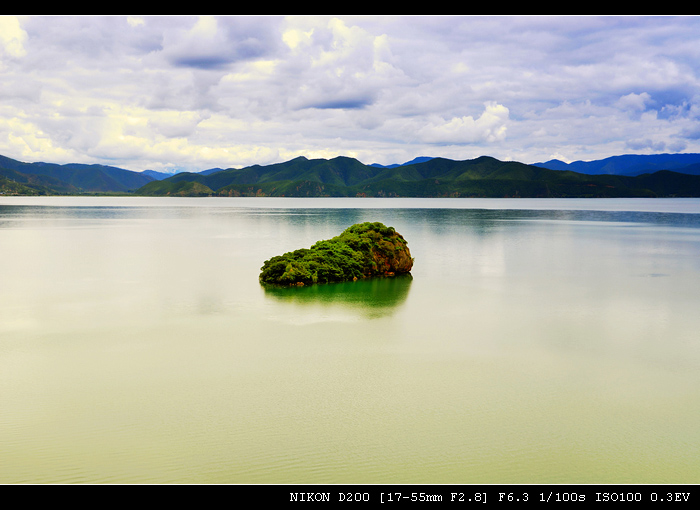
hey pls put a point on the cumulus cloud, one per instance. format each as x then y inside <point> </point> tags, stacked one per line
<point>212,43</point>
<point>200,46</point>
<point>135,21</point>
<point>189,91</point>
<point>647,143</point>
<point>175,124</point>
<point>489,127</point>
<point>634,102</point>
<point>336,66</point>
<point>12,37</point>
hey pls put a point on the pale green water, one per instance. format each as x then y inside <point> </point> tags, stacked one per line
<point>536,342</point>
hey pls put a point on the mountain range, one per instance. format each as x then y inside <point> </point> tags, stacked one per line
<point>618,176</point>
<point>631,164</point>
<point>73,178</point>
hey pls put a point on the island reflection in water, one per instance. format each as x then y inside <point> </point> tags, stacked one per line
<point>371,298</point>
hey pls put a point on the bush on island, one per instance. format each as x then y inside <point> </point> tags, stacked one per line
<point>361,251</point>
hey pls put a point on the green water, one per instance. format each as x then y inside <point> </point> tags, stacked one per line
<point>534,342</point>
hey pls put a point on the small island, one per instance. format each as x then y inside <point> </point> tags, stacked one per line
<point>363,250</point>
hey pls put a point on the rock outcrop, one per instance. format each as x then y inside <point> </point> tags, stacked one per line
<point>363,250</point>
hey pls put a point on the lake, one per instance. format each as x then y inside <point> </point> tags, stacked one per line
<point>536,341</point>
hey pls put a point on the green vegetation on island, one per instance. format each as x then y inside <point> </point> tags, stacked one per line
<point>361,251</point>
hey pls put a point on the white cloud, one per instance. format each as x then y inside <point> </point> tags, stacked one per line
<point>296,38</point>
<point>12,37</point>
<point>638,145</point>
<point>222,91</point>
<point>199,46</point>
<point>335,64</point>
<point>134,21</point>
<point>174,124</point>
<point>30,143</point>
<point>489,127</point>
<point>632,101</point>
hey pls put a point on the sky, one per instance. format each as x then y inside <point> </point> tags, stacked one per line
<point>189,93</point>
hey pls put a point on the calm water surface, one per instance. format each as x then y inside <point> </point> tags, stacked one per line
<point>536,341</point>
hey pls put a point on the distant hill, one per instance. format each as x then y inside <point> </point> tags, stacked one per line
<point>618,176</point>
<point>72,177</point>
<point>421,159</point>
<point>210,171</point>
<point>631,164</point>
<point>159,176</point>
<point>437,177</point>
<point>12,181</point>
